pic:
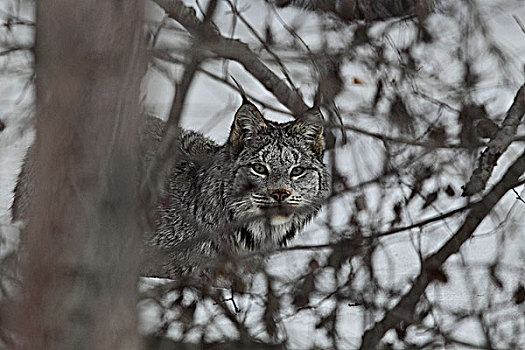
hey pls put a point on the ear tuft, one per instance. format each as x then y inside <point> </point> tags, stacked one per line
<point>247,124</point>
<point>310,128</point>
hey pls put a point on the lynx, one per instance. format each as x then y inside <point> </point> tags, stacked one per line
<point>253,193</point>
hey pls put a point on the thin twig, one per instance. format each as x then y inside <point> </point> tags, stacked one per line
<point>237,51</point>
<point>394,139</point>
<point>518,197</point>
<point>520,23</point>
<point>284,70</point>
<point>168,58</point>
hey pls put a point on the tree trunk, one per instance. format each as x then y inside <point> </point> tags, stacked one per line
<point>84,227</point>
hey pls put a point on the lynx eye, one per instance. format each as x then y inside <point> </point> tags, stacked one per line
<point>259,169</point>
<point>297,171</point>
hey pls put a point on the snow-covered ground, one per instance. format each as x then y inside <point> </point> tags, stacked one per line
<point>210,107</point>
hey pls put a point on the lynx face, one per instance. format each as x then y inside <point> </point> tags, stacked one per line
<point>280,180</point>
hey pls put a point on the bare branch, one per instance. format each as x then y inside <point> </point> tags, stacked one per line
<point>15,49</point>
<point>284,70</point>
<point>353,10</point>
<point>394,139</point>
<point>408,302</point>
<point>168,58</point>
<point>234,50</point>
<point>497,145</point>
<point>520,23</point>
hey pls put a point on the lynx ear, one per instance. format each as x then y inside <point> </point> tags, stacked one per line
<point>248,123</point>
<point>310,129</point>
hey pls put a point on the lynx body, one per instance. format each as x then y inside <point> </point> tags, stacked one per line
<point>253,193</point>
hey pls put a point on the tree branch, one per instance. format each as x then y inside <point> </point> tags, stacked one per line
<point>353,10</point>
<point>406,306</point>
<point>236,51</point>
<point>497,146</point>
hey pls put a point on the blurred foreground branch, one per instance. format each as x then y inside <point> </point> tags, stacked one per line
<point>84,220</point>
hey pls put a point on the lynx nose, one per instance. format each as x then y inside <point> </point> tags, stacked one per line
<point>280,194</point>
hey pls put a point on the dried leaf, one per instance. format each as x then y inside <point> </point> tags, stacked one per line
<point>360,203</point>
<point>379,93</point>
<point>397,209</point>
<point>449,190</point>
<point>343,251</point>
<point>302,293</point>
<point>519,294</point>
<point>468,115</point>
<point>423,173</point>
<point>339,182</point>
<point>313,264</point>
<point>400,117</point>
<point>331,82</point>
<point>268,35</point>
<point>337,258</point>
<point>486,128</point>
<point>401,330</point>
<point>470,77</point>
<point>325,319</point>
<point>238,284</point>
<point>327,322</point>
<point>438,135</point>
<point>430,198</point>
<point>360,35</point>
<point>186,315</point>
<point>424,35</point>
<point>176,302</point>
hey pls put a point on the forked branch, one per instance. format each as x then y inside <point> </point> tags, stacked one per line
<point>234,50</point>
<point>497,146</point>
<point>404,310</point>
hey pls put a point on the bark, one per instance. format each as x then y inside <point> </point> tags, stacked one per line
<point>84,226</point>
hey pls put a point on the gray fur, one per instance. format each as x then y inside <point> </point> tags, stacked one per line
<point>214,204</point>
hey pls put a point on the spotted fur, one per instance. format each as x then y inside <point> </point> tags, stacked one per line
<point>215,204</point>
